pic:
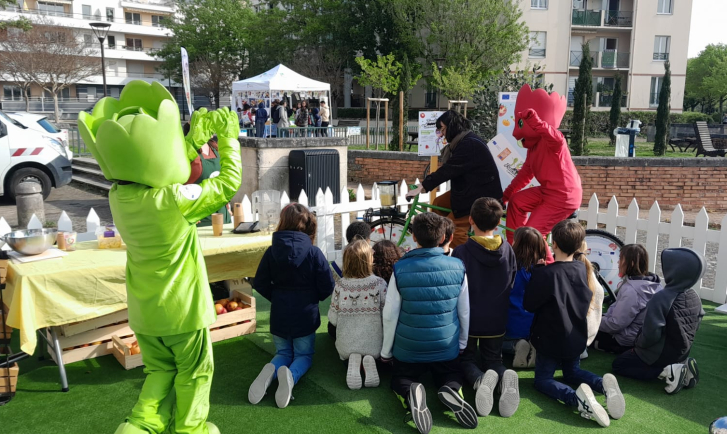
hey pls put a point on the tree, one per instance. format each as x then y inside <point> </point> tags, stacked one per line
<point>486,99</point>
<point>488,33</point>
<point>213,33</point>
<point>407,82</point>
<point>270,40</point>
<point>706,81</point>
<point>20,23</point>
<point>51,56</point>
<point>615,114</point>
<point>457,83</point>
<point>583,95</point>
<point>662,113</point>
<point>383,75</point>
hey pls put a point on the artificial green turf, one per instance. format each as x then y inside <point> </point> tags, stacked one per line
<point>102,393</point>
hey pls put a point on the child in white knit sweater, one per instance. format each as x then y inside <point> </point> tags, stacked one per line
<point>356,306</point>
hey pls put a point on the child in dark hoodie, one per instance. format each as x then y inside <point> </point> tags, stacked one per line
<point>295,276</point>
<point>491,265</point>
<point>620,325</point>
<point>315,120</point>
<point>672,318</point>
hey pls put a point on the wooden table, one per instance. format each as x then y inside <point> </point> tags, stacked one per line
<point>414,138</point>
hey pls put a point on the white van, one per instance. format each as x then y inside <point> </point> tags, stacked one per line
<point>27,154</point>
<point>41,124</point>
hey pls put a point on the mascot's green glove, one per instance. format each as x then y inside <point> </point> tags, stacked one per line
<point>200,132</point>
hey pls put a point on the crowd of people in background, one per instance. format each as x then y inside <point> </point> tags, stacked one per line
<point>299,120</point>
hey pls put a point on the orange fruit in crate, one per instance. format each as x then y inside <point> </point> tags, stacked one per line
<point>232,306</point>
<point>135,350</point>
<point>219,308</point>
<point>223,302</point>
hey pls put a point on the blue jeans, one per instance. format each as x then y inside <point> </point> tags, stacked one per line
<point>296,354</point>
<point>545,368</point>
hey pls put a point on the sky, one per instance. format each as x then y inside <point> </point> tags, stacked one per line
<point>709,18</point>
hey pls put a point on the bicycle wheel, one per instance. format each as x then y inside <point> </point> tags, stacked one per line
<point>391,229</point>
<point>604,251</point>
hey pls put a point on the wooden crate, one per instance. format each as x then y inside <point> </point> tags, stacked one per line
<point>8,383</point>
<point>238,316</point>
<point>233,330</point>
<point>90,344</point>
<point>123,354</point>
<point>73,329</point>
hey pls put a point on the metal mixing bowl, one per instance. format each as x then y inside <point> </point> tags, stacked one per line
<point>31,241</point>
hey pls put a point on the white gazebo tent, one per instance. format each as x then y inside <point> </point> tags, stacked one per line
<point>277,83</point>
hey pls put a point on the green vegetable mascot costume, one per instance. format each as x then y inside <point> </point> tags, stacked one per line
<point>138,142</point>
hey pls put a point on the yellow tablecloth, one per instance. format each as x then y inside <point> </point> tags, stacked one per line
<point>91,282</point>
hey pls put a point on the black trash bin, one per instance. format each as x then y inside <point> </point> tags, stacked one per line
<point>311,169</point>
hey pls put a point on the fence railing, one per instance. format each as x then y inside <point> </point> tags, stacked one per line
<point>619,18</point>
<point>334,219</point>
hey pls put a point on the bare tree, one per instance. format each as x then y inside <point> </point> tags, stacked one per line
<point>323,64</point>
<point>16,66</point>
<point>212,78</point>
<point>52,56</point>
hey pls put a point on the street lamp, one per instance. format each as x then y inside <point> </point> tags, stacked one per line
<point>101,30</point>
<point>440,64</point>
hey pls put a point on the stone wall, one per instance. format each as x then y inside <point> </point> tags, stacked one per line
<point>691,182</point>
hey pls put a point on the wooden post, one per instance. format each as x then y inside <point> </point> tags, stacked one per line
<point>368,121</point>
<point>386,124</point>
<point>401,121</point>
<point>433,166</point>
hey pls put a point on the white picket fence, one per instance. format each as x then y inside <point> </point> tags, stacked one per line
<point>327,212</point>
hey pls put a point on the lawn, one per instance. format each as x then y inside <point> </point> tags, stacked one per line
<point>102,393</point>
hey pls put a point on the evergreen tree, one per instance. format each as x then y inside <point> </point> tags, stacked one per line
<point>583,99</point>
<point>615,114</point>
<point>662,113</point>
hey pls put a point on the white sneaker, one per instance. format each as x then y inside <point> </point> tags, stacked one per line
<point>589,408</point>
<point>692,377</point>
<point>485,387</point>
<point>674,376</point>
<point>522,350</point>
<point>615,403</point>
<point>509,393</point>
<point>584,354</point>
<point>372,374</point>
<point>353,376</point>
<point>259,387</point>
<point>285,387</point>
<point>418,406</point>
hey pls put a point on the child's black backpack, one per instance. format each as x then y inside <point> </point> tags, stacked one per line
<point>276,115</point>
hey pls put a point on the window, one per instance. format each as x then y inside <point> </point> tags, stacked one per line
<point>110,15</point>
<point>539,4</point>
<point>46,125</point>
<point>133,44</point>
<point>132,18</point>
<point>112,42</point>
<point>51,9</point>
<point>87,40</point>
<point>134,69</point>
<point>661,47</point>
<point>655,89</point>
<point>665,7</point>
<point>86,12</point>
<point>157,21</point>
<point>537,45</point>
<point>12,93</point>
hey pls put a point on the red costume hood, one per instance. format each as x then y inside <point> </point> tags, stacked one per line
<point>549,107</point>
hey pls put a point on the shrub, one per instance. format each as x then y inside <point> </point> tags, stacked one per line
<point>691,117</point>
<point>716,118</point>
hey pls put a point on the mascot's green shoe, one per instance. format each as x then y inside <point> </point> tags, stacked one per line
<point>127,428</point>
<point>212,428</point>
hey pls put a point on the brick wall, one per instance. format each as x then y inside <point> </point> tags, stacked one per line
<point>691,182</point>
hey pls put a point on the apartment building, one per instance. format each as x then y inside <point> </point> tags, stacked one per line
<point>630,38</point>
<point>137,28</point>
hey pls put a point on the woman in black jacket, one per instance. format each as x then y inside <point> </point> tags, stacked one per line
<point>466,162</point>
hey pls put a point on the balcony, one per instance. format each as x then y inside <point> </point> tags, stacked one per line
<point>599,18</point>
<point>607,100</point>
<point>607,59</point>
<point>143,26</point>
<point>537,53</point>
<point>163,6</point>
<point>661,56</point>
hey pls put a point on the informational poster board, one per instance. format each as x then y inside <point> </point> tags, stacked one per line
<point>506,115</point>
<point>185,80</point>
<point>430,143</point>
<point>509,159</point>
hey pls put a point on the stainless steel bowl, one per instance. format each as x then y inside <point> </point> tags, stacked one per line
<point>31,241</point>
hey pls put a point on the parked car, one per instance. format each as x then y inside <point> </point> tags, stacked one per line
<point>31,154</point>
<point>42,124</point>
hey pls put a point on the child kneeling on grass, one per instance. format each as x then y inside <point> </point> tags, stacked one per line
<point>491,267</point>
<point>625,318</point>
<point>530,249</point>
<point>356,312</point>
<point>560,297</point>
<point>426,322</point>
<point>295,276</point>
<point>673,316</point>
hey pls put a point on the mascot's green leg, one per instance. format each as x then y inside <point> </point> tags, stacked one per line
<point>175,395</point>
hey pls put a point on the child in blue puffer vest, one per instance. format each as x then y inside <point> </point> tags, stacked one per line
<point>426,324</point>
<point>530,249</point>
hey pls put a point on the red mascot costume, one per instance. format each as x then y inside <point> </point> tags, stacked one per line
<point>537,118</point>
